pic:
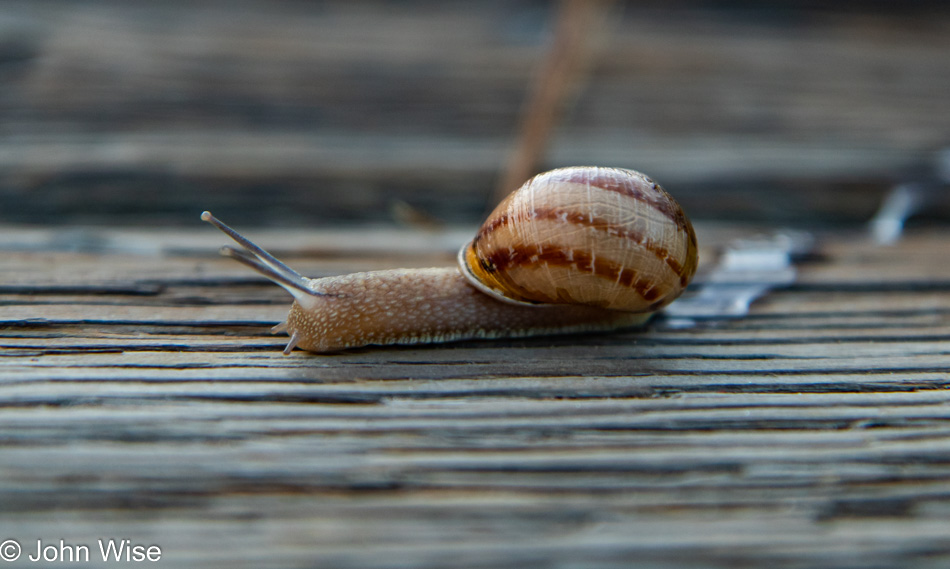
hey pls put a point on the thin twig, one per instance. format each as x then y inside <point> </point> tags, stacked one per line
<point>563,67</point>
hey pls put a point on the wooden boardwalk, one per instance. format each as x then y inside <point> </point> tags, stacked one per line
<point>141,397</point>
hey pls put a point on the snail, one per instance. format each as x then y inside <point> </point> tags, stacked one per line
<point>573,250</point>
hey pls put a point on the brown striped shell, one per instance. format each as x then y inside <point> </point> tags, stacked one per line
<point>603,237</point>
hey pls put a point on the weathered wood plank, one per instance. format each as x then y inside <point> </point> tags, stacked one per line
<point>141,396</point>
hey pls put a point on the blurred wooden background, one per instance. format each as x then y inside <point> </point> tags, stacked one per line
<point>304,113</point>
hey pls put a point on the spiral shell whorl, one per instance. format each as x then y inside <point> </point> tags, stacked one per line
<point>603,237</point>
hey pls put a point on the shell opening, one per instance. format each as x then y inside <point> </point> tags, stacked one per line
<point>466,259</point>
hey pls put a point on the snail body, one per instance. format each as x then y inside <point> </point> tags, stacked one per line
<point>573,250</point>
<point>413,306</point>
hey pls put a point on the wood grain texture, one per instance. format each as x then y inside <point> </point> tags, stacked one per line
<point>142,397</point>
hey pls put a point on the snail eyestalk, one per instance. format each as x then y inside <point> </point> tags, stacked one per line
<point>261,261</point>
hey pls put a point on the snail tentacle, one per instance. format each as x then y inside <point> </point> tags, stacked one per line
<point>276,265</point>
<point>294,340</point>
<point>294,287</point>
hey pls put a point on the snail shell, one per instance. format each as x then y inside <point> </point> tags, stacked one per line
<point>604,237</point>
